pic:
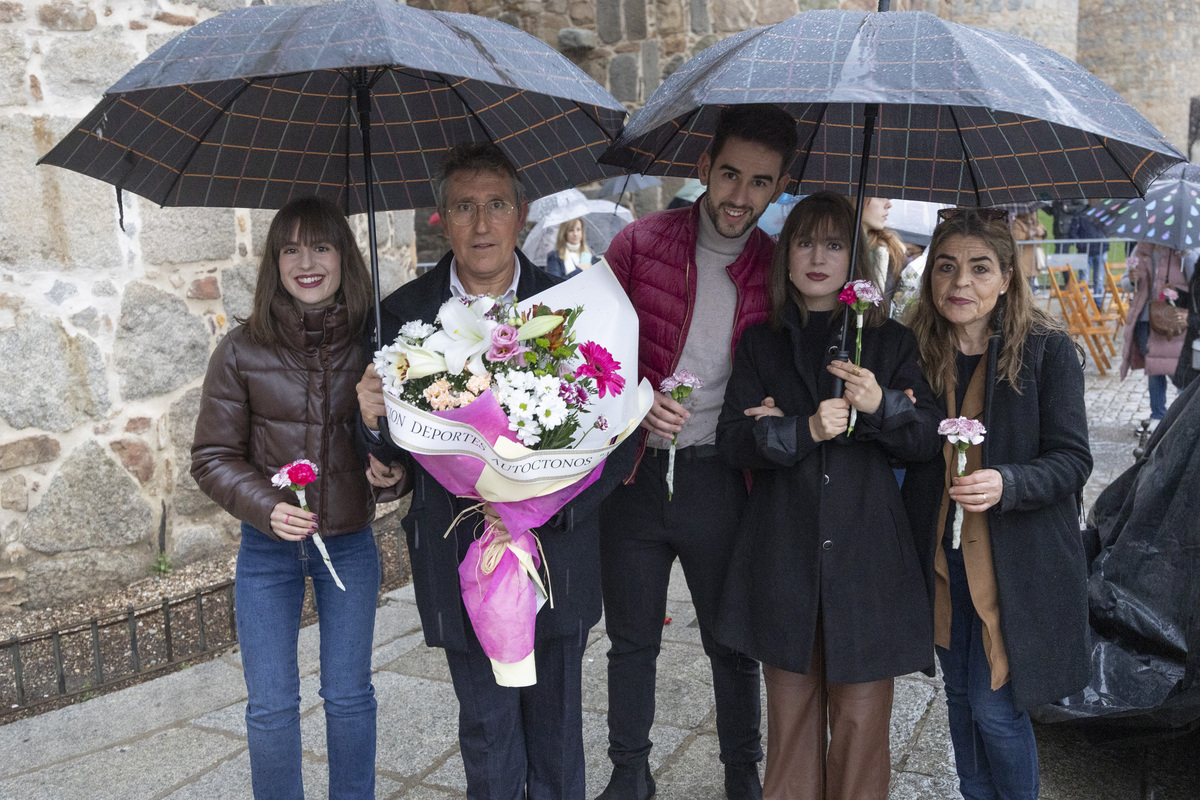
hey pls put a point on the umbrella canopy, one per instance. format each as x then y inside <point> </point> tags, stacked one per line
<point>259,105</point>
<point>602,220</point>
<point>1169,214</point>
<point>968,116</point>
<point>552,203</point>
<point>618,185</point>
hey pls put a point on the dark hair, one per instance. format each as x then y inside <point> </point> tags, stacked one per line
<point>1014,317</point>
<point>810,217</point>
<point>474,157</point>
<point>761,123</point>
<point>319,220</point>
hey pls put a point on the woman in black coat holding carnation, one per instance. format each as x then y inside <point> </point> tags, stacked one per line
<point>1010,601</point>
<point>826,587</point>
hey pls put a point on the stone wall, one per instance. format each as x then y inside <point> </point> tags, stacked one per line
<point>1148,53</point>
<point>105,333</point>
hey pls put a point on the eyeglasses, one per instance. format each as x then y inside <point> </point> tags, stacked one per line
<point>464,213</point>
<point>985,214</point>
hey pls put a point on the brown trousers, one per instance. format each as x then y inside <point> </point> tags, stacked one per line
<point>853,763</point>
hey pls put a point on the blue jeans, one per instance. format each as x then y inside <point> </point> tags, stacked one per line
<point>268,595</point>
<point>1158,383</point>
<point>995,752</point>
<point>1096,267</point>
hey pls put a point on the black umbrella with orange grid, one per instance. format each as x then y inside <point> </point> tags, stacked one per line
<point>908,106</point>
<point>355,101</point>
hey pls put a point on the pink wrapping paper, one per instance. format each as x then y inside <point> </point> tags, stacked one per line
<point>502,605</point>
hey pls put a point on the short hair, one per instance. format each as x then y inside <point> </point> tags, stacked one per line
<point>761,123</point>
<point>474,157</point>
<point>810,217</point>
<point>319,220</point>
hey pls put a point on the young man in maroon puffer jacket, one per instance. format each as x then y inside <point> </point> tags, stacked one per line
<point>697,277</point>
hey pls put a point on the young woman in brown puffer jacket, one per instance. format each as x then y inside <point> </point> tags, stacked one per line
<point>279,388</point>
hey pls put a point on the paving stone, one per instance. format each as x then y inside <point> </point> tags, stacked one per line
<point>426,793</point>
<point>666,738</point>
<point>116,717</point>
<point>909,786</point>
<point>422,662</point>
<point>394,620</point>
<point>385,655</point>
<point>933,754</point>
<point>417,724</point>
<point>140,769</point>
<point>910,703</point>
<point>696,774</point>
<point>232,718</point>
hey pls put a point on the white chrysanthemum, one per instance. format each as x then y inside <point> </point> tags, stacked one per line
<point>551,411</point>
<point>416,330</point>
<point>529,433</point>
<point>521,405</point>
<point>547,385</point>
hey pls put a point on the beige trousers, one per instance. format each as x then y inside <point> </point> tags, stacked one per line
<point>853,762</point>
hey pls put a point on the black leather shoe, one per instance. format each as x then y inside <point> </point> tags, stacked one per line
<point>630,782</point>
<point>741,781</point>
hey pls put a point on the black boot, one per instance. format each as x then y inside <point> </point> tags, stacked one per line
<point>741,781</point>
<point>630,782</point>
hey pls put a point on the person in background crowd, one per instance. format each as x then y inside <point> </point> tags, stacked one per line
<point>1148,271</point>
<point>697,278</point>
<point>1027,227</point>
<point>1010,603</point>
<point>825,584</point>
<point>1084,226</point>
<point>280,388</point>
<point>570,252</point>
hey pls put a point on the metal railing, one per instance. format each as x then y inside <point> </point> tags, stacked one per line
<point>90,656</point>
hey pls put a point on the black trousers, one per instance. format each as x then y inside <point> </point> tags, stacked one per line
<point>641,534</point>
<point>527,742</point>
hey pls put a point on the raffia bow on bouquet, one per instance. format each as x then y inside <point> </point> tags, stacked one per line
<point>510,404</point>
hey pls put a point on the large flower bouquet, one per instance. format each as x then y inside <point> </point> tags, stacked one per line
<point>510,404</point>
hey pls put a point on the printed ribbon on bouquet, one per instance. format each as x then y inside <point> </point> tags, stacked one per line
<point>678,386</point>
<point>295,476</point>
<point>961,432</point>
<point>859,295</point>
<point>473,452</point>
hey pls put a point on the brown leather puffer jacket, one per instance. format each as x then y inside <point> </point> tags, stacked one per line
<point>264,406</point>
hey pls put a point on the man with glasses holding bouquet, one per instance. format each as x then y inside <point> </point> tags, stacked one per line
<point>515,742</point>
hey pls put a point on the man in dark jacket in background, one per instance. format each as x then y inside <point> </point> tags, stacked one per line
<point>697,277</point>
<point>515,742</point>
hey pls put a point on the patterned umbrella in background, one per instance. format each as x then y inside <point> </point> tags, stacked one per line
<point>1169,214</point>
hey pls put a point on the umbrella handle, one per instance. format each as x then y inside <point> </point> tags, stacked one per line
<point>870,112</point>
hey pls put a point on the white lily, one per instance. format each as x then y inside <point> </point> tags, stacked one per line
<point>465,336</point>
<point>422,361</point>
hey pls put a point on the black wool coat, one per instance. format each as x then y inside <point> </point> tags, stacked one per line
<point>1037,440</point>
<point>825,537</point>
<point>570,540</point>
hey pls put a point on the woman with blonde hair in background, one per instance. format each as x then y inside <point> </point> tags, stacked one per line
<point>886,256</point>
<point>570,252</point>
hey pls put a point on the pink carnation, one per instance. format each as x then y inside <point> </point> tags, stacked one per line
<point>681,377</point>
<point>962,429</point>
<point>600,365</point>
<point>301,473</point>
<point>859,294</point>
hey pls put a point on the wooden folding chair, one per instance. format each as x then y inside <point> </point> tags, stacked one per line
<point>1095,319</point>
<point>1116,298</point>
<point>1065,289</point>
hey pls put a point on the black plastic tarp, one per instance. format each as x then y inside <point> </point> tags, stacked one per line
<point>1144,586</point>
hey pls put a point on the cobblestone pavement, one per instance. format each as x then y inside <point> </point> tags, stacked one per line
<point>183,736</point>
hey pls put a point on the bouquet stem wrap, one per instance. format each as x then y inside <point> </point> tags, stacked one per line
<point>857,363</point>
<point>960,470</point>
<point>320,543</point>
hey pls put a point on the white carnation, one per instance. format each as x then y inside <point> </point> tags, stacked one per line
<point>417,330</point>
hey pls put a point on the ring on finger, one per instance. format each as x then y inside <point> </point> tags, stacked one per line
<point>287,519</point>
<point>857,370</point>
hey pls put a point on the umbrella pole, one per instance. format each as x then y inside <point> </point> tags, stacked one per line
<point>363,89</point>
<point>843,353</point>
